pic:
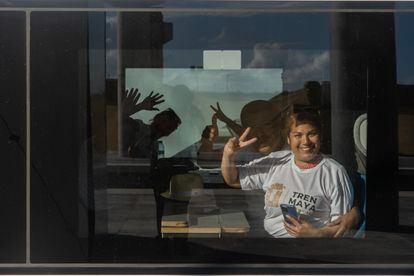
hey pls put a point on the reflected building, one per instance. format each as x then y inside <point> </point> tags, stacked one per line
<point>142,37</point>
<point>141,40</point>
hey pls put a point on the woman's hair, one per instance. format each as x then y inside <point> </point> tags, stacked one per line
<point>300,117</point>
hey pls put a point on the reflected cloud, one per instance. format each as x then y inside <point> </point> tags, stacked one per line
<point>267,55</point>
<point>299,65</point>
<point>309,68</point>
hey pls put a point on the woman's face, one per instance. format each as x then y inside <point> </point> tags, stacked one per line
<point>305,142</point>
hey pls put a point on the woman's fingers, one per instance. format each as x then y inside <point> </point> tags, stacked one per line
<point>335,222</point>
<point>234,141</point>
<point>293,220</point>
<point>237,144</point>
<point>245,133</point>
<point>340,233</point>
<point>290,229</point>
<point>248,142</point>
<point>242,140</point>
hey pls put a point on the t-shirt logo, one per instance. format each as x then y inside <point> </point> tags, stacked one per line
<point>303,202</point>
<point>273,194</point>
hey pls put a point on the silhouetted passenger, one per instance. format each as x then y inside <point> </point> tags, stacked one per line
<point>140,140</point>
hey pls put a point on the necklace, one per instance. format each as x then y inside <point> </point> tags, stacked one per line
<point>309,165</point>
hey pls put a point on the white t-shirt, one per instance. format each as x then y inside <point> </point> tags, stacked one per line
<point>320,194</point>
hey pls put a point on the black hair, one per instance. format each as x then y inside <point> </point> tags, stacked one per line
<point>303,115</point>
<point>170,114</point>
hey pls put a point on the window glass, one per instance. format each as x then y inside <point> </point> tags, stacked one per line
<point>12,137</point>
<point>213,80</point>
<point>208,133</point>
<point>60,136</point>
<point>404,44</point>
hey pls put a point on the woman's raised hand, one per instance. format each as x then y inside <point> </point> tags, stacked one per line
<point>234,144</point>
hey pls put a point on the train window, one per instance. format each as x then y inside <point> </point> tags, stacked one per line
<point>181,134</point>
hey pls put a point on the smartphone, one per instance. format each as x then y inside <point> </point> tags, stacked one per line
<point>289,210</point>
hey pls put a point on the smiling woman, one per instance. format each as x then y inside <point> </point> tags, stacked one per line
<point>317,186</point>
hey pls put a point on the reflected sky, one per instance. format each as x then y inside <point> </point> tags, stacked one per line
<point>297,42</point>
<point>404,37</point>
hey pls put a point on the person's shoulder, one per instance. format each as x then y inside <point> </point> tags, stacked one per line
<point>332,163</point>
<point>279,157</point>
<point>271,158</point>
<point>133,121</point>
<point>246,156</point>
<point>142,126</point>
<point>281,154</point>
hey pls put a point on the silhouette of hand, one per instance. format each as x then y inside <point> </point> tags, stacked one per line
<point>233,145</point>
<point>151,101</point>
<point>129,104</point>
<point>211,132</point>
<point>219,113</point>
